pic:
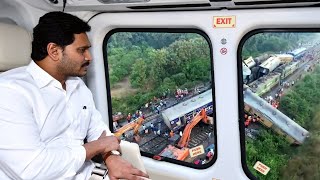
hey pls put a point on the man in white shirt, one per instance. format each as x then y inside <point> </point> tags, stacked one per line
<point>46,110</point>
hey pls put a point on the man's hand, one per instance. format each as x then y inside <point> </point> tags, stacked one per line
<point>109,143</point>
<point>102,145</point>
<point>122,169</point>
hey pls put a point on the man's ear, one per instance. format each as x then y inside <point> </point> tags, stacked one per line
<point>54,51</point>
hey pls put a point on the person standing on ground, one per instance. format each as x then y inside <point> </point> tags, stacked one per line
<point>46,110</point>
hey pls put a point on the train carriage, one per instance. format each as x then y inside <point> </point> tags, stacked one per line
<point>177,116</point>
<point>298,53</point>
<point>268,66</point>
<point>265,84</point>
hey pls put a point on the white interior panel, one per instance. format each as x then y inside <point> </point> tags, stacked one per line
<point>228,164</point>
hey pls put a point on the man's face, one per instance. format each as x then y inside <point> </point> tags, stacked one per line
<point>76,57</point>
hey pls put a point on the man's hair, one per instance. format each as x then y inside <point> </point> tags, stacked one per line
<point>55,27</point>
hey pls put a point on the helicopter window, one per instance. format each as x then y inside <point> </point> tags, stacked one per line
<point>280,135</point>
<point>160,84</point>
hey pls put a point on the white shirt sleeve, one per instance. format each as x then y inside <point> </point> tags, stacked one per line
<point>21,147</point>
<point>97,125</point>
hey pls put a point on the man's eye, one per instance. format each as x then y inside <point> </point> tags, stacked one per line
<point>82,51</point>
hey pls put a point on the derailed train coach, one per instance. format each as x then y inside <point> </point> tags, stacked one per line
<point>177,116</point>
<point>274,119</point>
<point>269,65</point>
<point>298,53</point>
<point>275,74</point>
<point>253,64</point>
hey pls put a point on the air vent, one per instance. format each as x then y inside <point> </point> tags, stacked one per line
<point>122,1</point>
<point>219,0</point>
<point>171,6</point>
<point>54,1</point>
<point>248,3</point>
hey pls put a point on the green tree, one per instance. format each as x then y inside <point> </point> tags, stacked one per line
<point>275,42</point>
<point>138,76</point>
<point>157,68</point>
<point>167,84</point>
<point>179,79</point>
<point>198,70</point>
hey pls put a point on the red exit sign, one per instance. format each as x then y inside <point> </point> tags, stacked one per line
<point>224,21</point>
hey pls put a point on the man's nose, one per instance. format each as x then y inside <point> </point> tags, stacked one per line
<point>88,56</point>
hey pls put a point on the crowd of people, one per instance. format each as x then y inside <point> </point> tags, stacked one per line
<point>250,119</point>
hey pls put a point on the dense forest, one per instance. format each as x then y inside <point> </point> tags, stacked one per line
<point>305,162</point>
<point>275,43</point>
<point>156,63</point>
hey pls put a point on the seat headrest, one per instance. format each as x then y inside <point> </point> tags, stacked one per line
<point>15,46</point>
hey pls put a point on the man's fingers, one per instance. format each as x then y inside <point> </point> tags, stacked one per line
<point>134,177</point>
<point>138,172</point>
<point>143,178</point>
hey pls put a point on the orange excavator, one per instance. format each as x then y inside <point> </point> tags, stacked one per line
<point>202,115</point>
<point>135,125</point>
<point>175,153</point>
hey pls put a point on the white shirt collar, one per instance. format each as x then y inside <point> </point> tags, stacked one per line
<point>42,78</point>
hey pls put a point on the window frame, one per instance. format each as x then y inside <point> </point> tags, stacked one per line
<point>108,89</point>
<point>240,84</point>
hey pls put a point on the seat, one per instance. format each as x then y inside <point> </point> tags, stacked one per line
<point>15,46</point>
<point>15,50</point>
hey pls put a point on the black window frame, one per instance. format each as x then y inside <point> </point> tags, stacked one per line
<point>240,84</point>
<point>162,30</point>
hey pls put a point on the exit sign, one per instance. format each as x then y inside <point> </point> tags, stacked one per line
<point>224,21</point>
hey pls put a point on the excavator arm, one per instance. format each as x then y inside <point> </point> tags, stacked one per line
<point>135,125</point>
<point>187,131</point>
<point>139,122</point>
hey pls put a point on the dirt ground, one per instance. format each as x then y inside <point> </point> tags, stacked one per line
<point>123,89</point>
